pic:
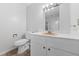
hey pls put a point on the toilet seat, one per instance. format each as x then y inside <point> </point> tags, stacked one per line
<point>20,42</point>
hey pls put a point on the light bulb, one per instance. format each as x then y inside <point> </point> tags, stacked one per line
<point>51,3</point>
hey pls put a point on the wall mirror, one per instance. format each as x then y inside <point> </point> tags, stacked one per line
<point>51,12</point>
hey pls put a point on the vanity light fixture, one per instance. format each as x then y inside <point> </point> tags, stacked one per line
<point>50,6</point>
<point>47,7</point>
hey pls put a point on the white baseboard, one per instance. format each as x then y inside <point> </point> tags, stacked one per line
<point>4,52</point>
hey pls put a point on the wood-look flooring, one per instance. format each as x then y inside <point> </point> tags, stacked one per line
<point>14,53</point>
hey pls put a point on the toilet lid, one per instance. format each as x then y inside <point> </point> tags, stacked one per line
<point>21,42</point>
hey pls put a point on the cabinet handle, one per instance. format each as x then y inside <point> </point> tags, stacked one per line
<point>49,49</point>
<point>44,47</point>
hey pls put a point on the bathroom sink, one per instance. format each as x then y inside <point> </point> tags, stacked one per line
<point>48,33</point>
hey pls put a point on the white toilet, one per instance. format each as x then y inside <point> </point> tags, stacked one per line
<point>22,44</point>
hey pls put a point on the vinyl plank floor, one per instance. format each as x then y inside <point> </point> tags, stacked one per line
<point>14,53</point>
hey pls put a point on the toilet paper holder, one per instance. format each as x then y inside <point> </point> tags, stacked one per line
<point>15,35</point>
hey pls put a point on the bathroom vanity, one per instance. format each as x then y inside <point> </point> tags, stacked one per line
<point>54,45</point>
<point>61,19</point>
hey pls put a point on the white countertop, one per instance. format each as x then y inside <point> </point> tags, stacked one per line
<point>59,35</point>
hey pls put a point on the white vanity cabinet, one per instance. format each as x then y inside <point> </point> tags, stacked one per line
<point>56,51</point>
<point>50,50</point>
<point>38,46</point>
<point>51,46</point>
<point>59,52</point>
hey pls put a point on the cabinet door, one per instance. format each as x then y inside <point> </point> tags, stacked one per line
<point>38,47</point>
<point>54,50</point>
<point>35,48</point>
<point>60,52</point>
<point>50,50</point>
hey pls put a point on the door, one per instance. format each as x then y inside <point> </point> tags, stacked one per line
<point>38,46</point>
<point>55,47</point>
<point>38,49</point>
<point>61,52</point>
<point>50,50</point>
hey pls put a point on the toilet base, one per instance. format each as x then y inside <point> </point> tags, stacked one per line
<point>23,48</point>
